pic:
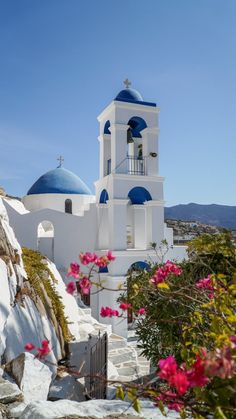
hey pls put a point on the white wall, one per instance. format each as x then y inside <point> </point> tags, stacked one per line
<point>57,202</point>
<point>72,234</point>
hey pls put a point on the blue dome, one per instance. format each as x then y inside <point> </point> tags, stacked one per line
<point>129,95</point>
<point>59,180</point>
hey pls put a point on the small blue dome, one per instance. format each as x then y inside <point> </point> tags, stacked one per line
<point>129,95</point>
<point>60,181</point>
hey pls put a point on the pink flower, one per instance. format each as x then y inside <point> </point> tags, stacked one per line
<point>168,367</point>
<point>29,346</point>
<point>74,270</point>
<point>86,258</point>
<point>233,340</point>
<point>85,285</point>
<point>162,273</point>
<point>110,257</point>
<point>177,406</point>
<point>196,375</point>
<point>171,399</point>
<point>44,350</point>
<point>180,382</point>
<point>71,287</point>
<point>102,261</point>
<point>108,312</point>
<point>141,311</point>
<point>221,364</point>
<point>125,306</point>
<point>206,283</point>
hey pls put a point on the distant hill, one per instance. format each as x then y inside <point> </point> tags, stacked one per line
<point>217,215</point>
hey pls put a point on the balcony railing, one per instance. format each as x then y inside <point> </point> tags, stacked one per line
<point>136,165</point>
<point>130,165</point>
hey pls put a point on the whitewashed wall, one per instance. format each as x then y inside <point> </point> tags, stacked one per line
<point>57,202</point>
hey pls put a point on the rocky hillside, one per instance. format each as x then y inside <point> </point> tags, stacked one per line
<point>184,231</point>
<point>217,215</point>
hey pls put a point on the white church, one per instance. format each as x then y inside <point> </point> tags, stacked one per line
<point>60,217</point>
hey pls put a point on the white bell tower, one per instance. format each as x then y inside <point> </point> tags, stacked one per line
<point>129,192</point>
<point>130,189</point>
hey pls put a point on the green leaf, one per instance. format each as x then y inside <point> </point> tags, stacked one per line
<point>182,414</point>
<point>132,394</point>
<point>120,393</point>
<point>219,414</point>
<point>137,406</point>
<point>162,407</point>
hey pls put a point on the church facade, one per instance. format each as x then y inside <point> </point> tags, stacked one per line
<point>60,217</point>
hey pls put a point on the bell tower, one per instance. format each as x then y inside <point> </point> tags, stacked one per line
<point>129,191</point>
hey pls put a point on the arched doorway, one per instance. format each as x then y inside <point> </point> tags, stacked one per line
<point>45,239</point>
<point>136,269</point>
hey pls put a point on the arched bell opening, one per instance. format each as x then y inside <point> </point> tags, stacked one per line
<point>136,162</point>
<point>138,195</point>
<point>104,197</point>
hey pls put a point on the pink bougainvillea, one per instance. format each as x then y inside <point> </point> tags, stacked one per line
<point>71,287</point>
<point>125,306</point>
<point>74,270</point>
<point>29,346</point>
<point>162,273</point>
<point>206,284</point>
<point>141,311</point>
<point>42,352</point>
<point>85,285</point>
<point>168,367</point>
<point>108,312</point>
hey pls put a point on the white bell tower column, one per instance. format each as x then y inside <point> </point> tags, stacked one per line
<point>131,215</point>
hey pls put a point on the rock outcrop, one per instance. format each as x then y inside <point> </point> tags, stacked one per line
<point>93,409</point>
<point>27,315</point>
<point>32,376</point>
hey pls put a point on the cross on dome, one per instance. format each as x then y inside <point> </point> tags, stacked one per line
<point>127,83</point>
<point>61,160</point>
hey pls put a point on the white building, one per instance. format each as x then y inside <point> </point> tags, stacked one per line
<point>61,218</point>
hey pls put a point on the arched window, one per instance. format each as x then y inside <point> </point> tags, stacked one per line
<point>106,128</point>
<point>104,197</point>
<point>139,195</point>
<point>68,206</point>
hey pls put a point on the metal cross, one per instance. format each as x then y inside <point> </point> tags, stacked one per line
<point>61,160</point>
<point>127,83</point>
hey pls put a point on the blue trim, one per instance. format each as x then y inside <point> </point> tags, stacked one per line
<point>104,197</point>
<point>60,181</point>
<point>132,96</point>
<point>103,270</point>
<point>139,195</point>
<point>137,101</point>
<point>140,265</point>
<point>137,124</point>
<point>106,128</point>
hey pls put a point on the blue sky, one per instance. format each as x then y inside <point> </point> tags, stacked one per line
<point>62,62</point>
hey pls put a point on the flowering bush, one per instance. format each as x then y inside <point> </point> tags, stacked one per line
<point>186,324</point>
<point>189,328</point>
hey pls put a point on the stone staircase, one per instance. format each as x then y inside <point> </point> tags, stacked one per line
<point>125,362</point>
<point>126,358</point>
